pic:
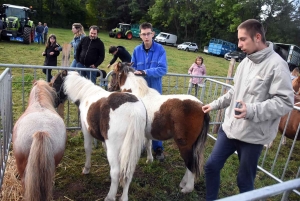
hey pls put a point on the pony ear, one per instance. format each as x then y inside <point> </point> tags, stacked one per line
<point>130,64</point>
<point>34,82</point>
<point>64,73</point>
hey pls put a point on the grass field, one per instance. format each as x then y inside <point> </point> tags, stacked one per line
<point>153,182</point>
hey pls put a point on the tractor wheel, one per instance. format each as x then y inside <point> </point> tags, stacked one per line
<point>129,36</point>
<point>119,35</point>
<point>27,35</point>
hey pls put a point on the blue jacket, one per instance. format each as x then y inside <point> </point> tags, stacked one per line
<point>154,63</point>
<point>75,43</point>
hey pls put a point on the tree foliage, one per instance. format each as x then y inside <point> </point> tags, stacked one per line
<point>190,20</point>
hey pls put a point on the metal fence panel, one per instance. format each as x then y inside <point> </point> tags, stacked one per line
<point>212,88</point>
<point>5,119</point>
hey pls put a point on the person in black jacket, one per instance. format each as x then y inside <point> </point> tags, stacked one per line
<point>50,55</point>
<point>90,53</point>
<point>119,52</point>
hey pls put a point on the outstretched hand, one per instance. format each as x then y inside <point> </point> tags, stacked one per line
<point>206,108</point>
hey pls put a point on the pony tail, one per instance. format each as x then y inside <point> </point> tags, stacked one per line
<point>199,147</point>
<point>132,145</point>
<point>40,169</point>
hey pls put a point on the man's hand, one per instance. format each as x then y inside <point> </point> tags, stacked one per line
<point>140,73</point>
<point>242,110</point>
<point>206,108</point>
<point>92,66</point>
<point>51,53</point>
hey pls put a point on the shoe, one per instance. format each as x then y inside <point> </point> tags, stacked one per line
<point>159,155</point>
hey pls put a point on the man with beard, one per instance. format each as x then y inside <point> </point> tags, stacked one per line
<point>90,53</point>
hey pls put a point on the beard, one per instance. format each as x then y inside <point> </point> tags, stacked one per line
<point>93,37</point>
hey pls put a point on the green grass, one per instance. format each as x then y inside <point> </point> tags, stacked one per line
<point>156,181</point>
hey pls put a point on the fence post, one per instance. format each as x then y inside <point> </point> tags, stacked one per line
<point>230,73</point>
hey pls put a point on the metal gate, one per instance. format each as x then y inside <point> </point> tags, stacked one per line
<point>5,119</point>
<point>212,88</point>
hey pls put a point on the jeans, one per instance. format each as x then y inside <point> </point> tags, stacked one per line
<point>190,88</point>
<point>92,75</point>
<point>39,37</point>
<point>157,144</point>
<point>48,74</point>
<point>74,63</point>
<point>248,155</point>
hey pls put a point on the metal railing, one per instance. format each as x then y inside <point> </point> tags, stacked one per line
<point>5,119</point>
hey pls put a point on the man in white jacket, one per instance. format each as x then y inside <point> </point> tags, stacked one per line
<point>262,87</point>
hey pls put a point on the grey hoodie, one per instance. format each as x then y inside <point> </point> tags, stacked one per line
<point>263,82</point>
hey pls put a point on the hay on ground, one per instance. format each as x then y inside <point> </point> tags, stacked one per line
<point>11,187</point>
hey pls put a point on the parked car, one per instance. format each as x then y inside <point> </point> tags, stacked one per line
<point>166,38</point>
<point>239,56</point>
<point>205,49</point>
<point>188,46</point>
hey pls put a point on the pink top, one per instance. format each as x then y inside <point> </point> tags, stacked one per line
<point>197,70</point>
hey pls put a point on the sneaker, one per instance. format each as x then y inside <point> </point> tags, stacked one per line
<point>159,155</point>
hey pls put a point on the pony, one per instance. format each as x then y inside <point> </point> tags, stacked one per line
<point>294,120</point>
<point>118,119</point>
<point>39,140</point>
<point>168,116</point>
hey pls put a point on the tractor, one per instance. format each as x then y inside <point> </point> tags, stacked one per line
<point>17,24</point>
<point>121,31</point>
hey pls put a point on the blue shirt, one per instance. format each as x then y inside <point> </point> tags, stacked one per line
<point>154,63</point>
<point>46,30</point>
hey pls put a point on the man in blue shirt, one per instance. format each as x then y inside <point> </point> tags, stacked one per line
<point>149,59</point>
<point>39,31</point>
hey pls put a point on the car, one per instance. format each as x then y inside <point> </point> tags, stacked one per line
<point>188,46</point>
<point>239,56</point>
<point>205,49</point>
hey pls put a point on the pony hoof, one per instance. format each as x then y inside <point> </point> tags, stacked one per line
<point>186,190</point>
<point>86,170</point>
<point>182,184</point>
<point>149,160</point>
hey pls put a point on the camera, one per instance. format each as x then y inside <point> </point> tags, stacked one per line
<point>237,105</point>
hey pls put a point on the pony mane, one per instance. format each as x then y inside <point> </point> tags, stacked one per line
<point>43,93</point>
<point>78,87</point>
<point>139,85</point>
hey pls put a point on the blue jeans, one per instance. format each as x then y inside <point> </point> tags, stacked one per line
<point>74,63</point>
<point>39,37</point>
<point>91,75</point>
<point>248,155</point>
<point>157,144</point>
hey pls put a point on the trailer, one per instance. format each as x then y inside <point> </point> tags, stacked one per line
<point>289,52</point>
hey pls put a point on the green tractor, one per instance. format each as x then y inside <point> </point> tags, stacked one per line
<point>122,31</point>
<point>17,24</point>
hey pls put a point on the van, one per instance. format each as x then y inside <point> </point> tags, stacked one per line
<point>166,38</point>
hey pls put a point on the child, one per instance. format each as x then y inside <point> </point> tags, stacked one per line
<point>50,55</point>
<point>197,68</point>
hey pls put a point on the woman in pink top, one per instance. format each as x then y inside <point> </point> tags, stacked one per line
<point>197,68</point>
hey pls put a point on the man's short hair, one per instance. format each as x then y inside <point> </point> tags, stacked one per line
<point>94,27</point>
<point>146,25</point>
<point>112,49</point>
<point>253,27</point>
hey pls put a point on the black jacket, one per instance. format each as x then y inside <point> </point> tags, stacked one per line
<point>90,52</point>
<point>51,60</point>
<point>123,54</point>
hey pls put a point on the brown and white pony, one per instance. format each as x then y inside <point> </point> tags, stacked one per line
<point>39,139</point>
<point>169,116</point>
<point>294,119</point>
<point>118,119</point>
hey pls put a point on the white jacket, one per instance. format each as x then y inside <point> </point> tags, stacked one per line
<point>263,82</point>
